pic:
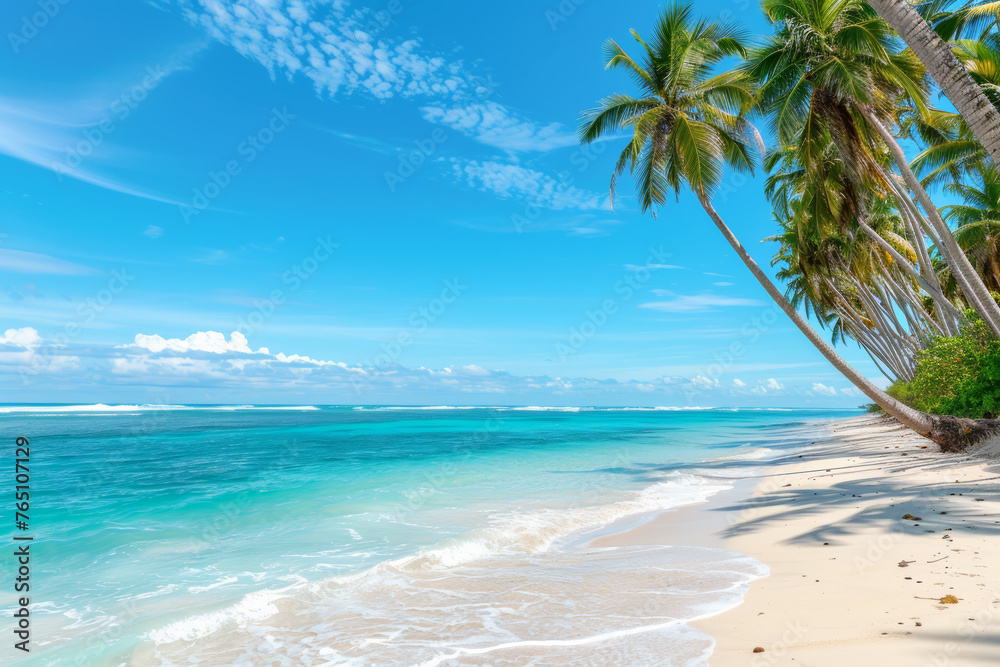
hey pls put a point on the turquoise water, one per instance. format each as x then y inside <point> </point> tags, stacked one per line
<point>344,535</point>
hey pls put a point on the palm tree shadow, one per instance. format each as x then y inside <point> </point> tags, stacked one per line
<point>821,500</point>
<point>875,463</point>
<point>981,647</point>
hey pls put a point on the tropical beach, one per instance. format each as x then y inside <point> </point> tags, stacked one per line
<point>467,539</point>
<point>338,333</point>
<point>778,537</point>
<point>880,551</point>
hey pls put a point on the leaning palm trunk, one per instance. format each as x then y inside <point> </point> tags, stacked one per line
<point>921,323</point>
<point>871,335</point>
<point>909,208</point>
<point>688,125</point>
<point>965,274</point>
<point>904,348</point>
<point>910,215</point>
<point>950,316</point>
<point>953,434</point>
<point>946,70</point>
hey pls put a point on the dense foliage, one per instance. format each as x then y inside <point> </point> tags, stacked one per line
<point>956,375</point>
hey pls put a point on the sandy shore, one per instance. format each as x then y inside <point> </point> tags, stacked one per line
<point>830,526</point>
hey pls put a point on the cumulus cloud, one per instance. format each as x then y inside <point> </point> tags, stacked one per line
<point>26,337</point>
<point>703,382</point>
<point>823,390</point>
<point>24,351</point>
<point>768,386</point>
<point>211,359</point>
<point>510,181</point>
<point>202,341</point>
<point>207,356</point>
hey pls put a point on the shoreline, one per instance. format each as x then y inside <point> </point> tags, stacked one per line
<point>827,521</point>
<point>818,502</point>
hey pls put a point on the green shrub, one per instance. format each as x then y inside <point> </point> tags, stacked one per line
<point>957,375</point>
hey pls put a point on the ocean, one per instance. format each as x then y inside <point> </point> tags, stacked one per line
<point>378,535</point>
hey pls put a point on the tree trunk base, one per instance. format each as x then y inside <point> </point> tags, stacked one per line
<point>958,435</point>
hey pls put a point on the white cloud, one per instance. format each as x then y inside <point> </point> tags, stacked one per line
<point>509,181</point>
<point>211,359</point>
<point>705,383</point>
<point>22,350</point>
<point>495,125</point>
<point>697,303</point>
<point>19,261</point>
<point>26,337</point>
<point>341,50</point>
<point>767,386</point>
<point>202,341</point>
<point>207,356</point>
<point>822,389</point>
<point>330,44</point>
<point>73,136</point>
<point>153,232</point>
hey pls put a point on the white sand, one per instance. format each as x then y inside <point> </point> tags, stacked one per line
<point>829,525</point>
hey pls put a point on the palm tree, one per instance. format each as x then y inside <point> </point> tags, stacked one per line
<point>861,283</point>
<point>832,71</point>
<point>950,149</point>
<point>687,126</point>
<point>981,58</point>
<point>978,221</point>
<point>846,291</point>
<point>968,20</point>
<point>945,68</point>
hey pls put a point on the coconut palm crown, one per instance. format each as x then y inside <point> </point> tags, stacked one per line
<point>828,62</point>
<point>689,123</point>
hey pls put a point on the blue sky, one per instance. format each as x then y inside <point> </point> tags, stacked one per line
<point>386,202</point>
